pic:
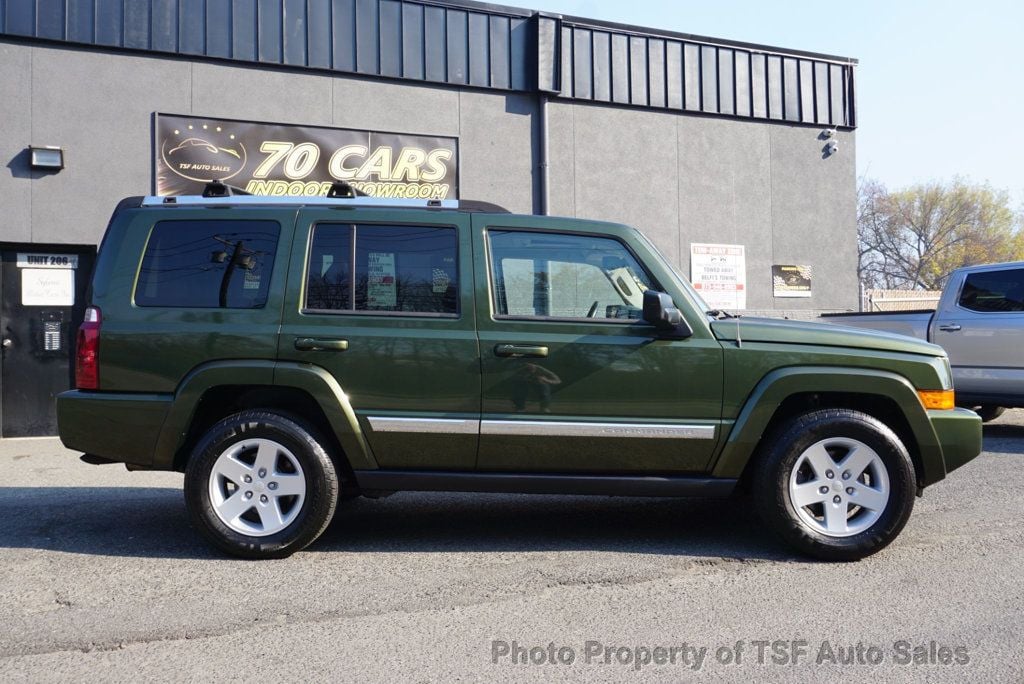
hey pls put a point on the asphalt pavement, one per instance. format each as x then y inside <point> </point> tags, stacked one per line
<point>102,579</point>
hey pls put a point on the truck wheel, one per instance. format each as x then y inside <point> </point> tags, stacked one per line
<point>988,412</point>
<point>259,485</point>
<point>836,484</point>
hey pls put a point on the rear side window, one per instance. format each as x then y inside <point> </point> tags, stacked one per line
<point>384,269</point>
<point>995,291</point>
<point>208,264</point>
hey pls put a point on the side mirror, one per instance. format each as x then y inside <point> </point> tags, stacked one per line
<point>660,311</point>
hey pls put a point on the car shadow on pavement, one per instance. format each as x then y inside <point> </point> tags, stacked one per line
<point>436,522</point>
<point>151,522</point>
<point>1003,438</point>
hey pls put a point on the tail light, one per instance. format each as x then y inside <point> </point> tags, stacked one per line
<point>87,358</point>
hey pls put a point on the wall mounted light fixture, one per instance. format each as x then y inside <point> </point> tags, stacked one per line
<point>46,158</point>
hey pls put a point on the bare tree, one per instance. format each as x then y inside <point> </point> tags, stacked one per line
<point>913,238</point>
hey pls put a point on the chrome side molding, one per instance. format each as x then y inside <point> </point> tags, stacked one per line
<point>547,428</point>
<point>540,428</point>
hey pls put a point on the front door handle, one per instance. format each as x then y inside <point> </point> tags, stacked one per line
<point>949,327</point>
<point>317,344</point>
<point>518,351</point>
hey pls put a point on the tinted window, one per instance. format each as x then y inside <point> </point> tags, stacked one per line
<point>994,291</point>
<point>208,264</point>
<point>565,276</point>
<point>401,269</point>
<point>329,276</point>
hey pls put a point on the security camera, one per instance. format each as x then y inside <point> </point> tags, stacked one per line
<point>832,148</point>
<point>828,133</point>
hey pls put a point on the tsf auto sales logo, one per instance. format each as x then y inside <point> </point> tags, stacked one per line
<point>203,152</point>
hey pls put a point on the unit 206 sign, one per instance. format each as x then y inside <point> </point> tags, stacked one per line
<point>277,160</point>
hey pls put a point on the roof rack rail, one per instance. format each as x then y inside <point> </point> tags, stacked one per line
<point>216,188</point>
<point>218,194</point>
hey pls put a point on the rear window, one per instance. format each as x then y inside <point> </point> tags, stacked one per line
<point>994,291</point>
<point>407,269</point>
<point>208,264</point>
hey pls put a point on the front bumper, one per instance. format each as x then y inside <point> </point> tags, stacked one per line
<point>959,435</point>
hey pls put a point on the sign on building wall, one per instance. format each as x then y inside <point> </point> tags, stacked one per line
<point>791,281</point>
<point>719,273</point>
<point>283,160</point>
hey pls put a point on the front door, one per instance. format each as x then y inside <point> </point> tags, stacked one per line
<point>43,299</point>
<point>573,380</point>
<point>386,307</point>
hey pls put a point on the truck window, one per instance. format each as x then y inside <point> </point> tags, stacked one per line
<point>396,269</point>
<point>208,264</point>
<point>551,275</point>
<point>994,291</point>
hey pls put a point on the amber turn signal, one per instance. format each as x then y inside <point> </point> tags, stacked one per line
<point>937,399</point>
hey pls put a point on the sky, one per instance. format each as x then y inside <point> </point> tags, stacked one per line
<point>940,84</point>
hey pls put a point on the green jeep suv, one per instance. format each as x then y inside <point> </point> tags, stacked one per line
<point>284,353</point>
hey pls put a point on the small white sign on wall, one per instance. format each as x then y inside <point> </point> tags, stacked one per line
<point>719,274</point>
<point>47,287</point>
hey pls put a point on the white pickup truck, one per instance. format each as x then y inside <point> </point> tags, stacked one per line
<point>980,324</point>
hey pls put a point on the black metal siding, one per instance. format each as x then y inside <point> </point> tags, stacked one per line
<point>659,71</point>
<point>463,43</point>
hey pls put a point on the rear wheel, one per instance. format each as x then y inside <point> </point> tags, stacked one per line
<point>260,485</point>
<point>836,484</point>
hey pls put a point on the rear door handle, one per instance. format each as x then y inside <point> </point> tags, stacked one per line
<point>949,327</point>
<point>317,344</point>
<point>517,351</point>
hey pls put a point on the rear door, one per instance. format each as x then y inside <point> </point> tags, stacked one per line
<point>573,380</point>
<point>983,333</point>
<point>385,304</point>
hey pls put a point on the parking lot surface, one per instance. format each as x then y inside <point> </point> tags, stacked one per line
<point>103,579</point>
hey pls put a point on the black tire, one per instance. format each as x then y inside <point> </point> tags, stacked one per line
<point>316,507</point>
<point>782,451</point>
<point>988,412</point>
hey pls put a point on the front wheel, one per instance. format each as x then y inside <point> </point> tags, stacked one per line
<point>260,485</point>
<point>836,484</point>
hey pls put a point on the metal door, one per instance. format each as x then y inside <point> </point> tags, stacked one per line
<point>43,298</point>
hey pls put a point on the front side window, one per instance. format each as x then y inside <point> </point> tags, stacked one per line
<point>550,275</point>
<point>392,269</point>
<point>994,291</point>
<point>208,264</point>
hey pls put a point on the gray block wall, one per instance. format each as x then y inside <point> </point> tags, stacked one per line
<point>681,178</point>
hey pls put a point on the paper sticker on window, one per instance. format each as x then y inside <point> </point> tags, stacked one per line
<point>441,281</point>
<point>325,266</point>
<point>381,288</point>
<point>252,281</point>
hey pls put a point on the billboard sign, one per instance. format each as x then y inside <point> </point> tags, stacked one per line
<point>283,160</point>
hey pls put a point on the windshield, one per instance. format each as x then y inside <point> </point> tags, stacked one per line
<point>695,297</point>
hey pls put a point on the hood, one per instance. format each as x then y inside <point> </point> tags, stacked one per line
<point>822,334</point>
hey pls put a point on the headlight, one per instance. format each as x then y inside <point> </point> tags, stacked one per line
<point>946,373</point>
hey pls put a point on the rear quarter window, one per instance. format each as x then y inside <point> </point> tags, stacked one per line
<point>208,264</point>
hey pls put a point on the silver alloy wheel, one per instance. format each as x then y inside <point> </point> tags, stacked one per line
<point>839,487</point>
<point>257,487</point>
